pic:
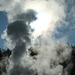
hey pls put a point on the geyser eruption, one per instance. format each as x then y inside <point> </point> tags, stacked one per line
<point>19,34</point>
<point>19,44</point>
<point>32,22</point>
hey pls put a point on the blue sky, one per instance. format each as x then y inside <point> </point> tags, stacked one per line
<point>3,23</point>
<point>68,30</point>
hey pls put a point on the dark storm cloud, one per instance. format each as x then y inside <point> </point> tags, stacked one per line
<point>18,30</point>
<point>28,16</point>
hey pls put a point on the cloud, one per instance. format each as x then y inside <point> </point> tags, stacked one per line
<point>16,30</point>
<point>68,29</point>
<point>28,16</point>
<point>11,7</point>
<point>49,17</point>
<point>51,56</point>
<point>52,53</point>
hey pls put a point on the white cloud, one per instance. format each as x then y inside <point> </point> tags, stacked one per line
<point>52,52</point>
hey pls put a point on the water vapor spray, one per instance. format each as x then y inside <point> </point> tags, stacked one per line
<point>30,35</point>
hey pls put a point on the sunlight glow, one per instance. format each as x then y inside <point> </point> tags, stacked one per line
<point>41,24</point>
<point>44,16</point>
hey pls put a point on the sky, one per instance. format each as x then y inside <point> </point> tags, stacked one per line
<point>67,30</point>
<point>3,24</point>
<point>38,26</point>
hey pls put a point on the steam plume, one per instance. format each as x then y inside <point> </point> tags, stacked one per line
<point>19,34</point>
<point>51,54</point>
